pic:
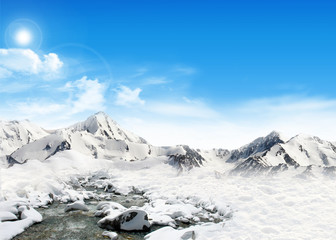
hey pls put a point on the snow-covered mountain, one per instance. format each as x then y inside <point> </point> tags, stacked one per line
<point>273,152</point>
<point>101,137</point>
<point>101,125</point>
<point>15,134</point>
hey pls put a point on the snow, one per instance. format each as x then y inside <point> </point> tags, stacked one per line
<point>7,216</point>
<point>100,123</point>
<point>130,220</point>
<point>78,205</point>
<point>15,134</point>
<point>168,233</point>
<point>261,207</point>
<point>39,150</point>
<point>110,235</point>
<point>295,204</point>
<point>10,229</point>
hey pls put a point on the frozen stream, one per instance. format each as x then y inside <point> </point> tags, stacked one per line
<point>58,224</point>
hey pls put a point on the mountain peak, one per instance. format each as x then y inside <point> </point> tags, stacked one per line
<point>101,124</point>
<point>101,113</point>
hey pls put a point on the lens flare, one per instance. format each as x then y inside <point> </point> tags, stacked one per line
<point>23,37</point>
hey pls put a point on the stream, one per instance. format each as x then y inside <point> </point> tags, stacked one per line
<point>79,225</point>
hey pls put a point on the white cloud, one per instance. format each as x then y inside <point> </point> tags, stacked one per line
<point>291,115</point>
<point>200,125</point>
<point>185,70</point>
<point>26,61</point>
<point>51,63</point>
<point>139,72</point>
<point>195,109</point>
<point>155,81</point>
<point>13,87</point>
<point>5,73</point>
<point>83,96</point>
<point>89,94</point>
<point>128,97</point>
<point>39,107</point>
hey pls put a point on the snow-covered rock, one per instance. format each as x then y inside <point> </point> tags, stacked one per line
<point>7,216</point>
<point>168,233</point>
<point>109,208</point>
<point>78,205</point>
<point>130,220</point>
<point>110,235</point>
<point>28,216</point>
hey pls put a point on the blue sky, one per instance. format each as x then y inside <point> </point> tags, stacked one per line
<point>205,73</point>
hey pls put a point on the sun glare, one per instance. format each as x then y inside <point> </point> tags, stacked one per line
<point>23,37</point>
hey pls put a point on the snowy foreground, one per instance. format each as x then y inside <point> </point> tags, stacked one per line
<point>283,206</point>
<point>271,188</point>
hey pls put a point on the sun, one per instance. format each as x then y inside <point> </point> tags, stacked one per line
<point>23,37</point>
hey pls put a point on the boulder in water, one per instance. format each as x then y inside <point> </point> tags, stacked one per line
<point>131,220</point>
<point>78,205</point>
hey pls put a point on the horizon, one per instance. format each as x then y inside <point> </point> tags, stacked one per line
<point>205,74</point>
<point>284,137</point>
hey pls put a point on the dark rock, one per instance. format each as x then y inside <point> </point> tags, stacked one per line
<point>188,160</point>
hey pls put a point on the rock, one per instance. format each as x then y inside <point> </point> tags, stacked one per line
<point>78,205</point>
<point>110,235</point>
<point>186,161</point>
<point>131,220</point>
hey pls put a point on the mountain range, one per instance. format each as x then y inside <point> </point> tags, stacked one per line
<point>101,137</point>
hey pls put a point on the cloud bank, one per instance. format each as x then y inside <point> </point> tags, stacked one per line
<point>27,62</point>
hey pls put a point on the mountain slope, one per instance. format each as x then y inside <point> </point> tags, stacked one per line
<point>101,137</point>
<point>272,151</point>
<point>100,124</point>
<point>15,134</point>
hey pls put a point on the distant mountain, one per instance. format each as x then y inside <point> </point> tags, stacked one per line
<point>15,134</point>
<point>101,137</point>
<point>101,125</point>
<point>257,147</point>
<point>274,153</point>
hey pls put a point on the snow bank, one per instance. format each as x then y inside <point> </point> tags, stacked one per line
<point>29,216</point>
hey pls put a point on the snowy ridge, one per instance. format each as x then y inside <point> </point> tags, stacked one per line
<point>258,146</point>
<point>40,150</point>
<point>101,137</point>
<point>273,153</point>
<point>15,134</point>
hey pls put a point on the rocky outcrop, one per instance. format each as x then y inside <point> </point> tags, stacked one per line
<point>257,146</point>
<point>190,159</point>
<point>130,220</point>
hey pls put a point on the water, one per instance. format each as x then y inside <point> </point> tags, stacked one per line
<point>78,225</point>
